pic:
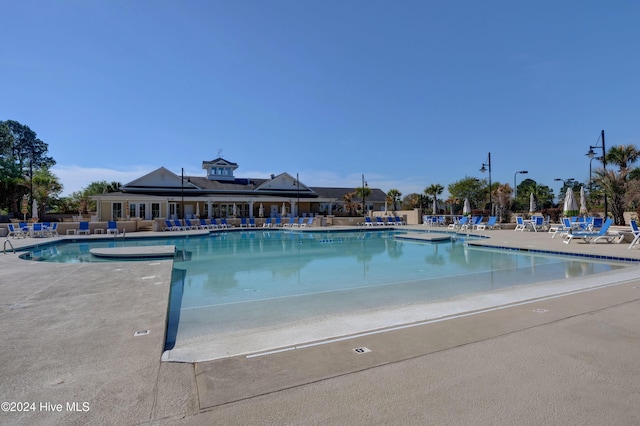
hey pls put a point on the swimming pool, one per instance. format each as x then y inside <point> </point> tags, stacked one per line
<point>249,291</point>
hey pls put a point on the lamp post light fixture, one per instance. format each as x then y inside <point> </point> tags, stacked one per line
<point>515,188</point>
<point>364,197</point>
<point>487,166</point>
<point>592,154</point>
<point>298,194</point>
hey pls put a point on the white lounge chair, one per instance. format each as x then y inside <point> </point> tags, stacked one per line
<point>593,237</point>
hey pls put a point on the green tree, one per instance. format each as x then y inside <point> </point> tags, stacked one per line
<point>21,155</point>
<point>470,188</point>
<point>46,188</point>
<point>541,193</point>
<point>363,192</point>
<point>412,201</point>
<point>434,190</point>
<point>622,156</point>
<point>394,196</point>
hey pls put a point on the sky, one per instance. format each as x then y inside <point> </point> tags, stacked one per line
<point>406,93</point>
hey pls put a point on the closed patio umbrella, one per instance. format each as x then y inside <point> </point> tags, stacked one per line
<point>261,211</point>
<point>34,209</point>
<point>466,209</point>
<point>197,209</point>
<point>284,210</point>
<point>583,202</point>
<point>570,205</point>
<point>533,206</point>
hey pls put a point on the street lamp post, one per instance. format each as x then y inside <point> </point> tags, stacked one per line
<point>298,194</point>
<point>487,166</point>
<point>364,197</point>
<point>515,188</point>
<point>182,193</point>
<point>591,155</point>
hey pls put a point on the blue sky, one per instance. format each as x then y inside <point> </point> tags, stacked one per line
<point>408,93</point>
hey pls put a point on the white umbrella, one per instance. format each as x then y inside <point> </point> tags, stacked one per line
<point>34,209</point>
<point>570,205</point>
<point>235,209</point>
<point>261,211</point>
<point>533,206</point>
<point>467,207</point>
<point>197,209</point>
<point>284,210</point>
<point>435,206</point>
<point>583,202</point>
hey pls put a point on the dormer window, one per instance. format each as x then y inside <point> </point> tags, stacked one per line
<point>219,169</point>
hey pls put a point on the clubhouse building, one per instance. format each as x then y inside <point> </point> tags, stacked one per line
<point>163,194</point>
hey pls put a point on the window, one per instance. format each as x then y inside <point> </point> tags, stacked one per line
<point>155,210</point>
<point>116,211</point>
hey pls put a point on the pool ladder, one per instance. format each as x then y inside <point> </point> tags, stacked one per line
<point>4,248</point>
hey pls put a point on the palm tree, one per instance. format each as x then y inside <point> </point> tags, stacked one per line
<point>614,185</point>
<point>363,192</point>
<point>622,155</point>
<point>434,190</point>
<point>394,196</point>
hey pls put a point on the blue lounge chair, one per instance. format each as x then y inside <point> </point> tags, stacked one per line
<point>37,230</point>
<point>367,221</point>
<point>278,221</point>
<point>520,225</point>
<point>15,232</point>
<point>112,227</point>
<point>379,221</point>
<point>52,230</point>
<point>593,237</point>
<point>168,226</point>
<point>191,225</point>
<point>243,222</point>
<point>267,223</point>
<point>490,224</point>
<point>224,224</point>
<point>636,234</point>
<point>309,222</point>
<point>83,228</point>
<point>205,225</point>
<point>178,225</point>
<point>391,221</point>
<point>252,222</point>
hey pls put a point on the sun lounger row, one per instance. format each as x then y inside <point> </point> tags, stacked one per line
<point>188,224</point>
<point>379,221</point>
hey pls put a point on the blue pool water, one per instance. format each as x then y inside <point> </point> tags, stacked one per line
<point>230,283</point>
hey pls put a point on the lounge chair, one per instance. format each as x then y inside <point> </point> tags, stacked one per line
<point>278,222</point>
<point>458,222</point>
<point>243,222</point>
<point>83,228</point>
<point>168,226</point>
<point>37,230</point>
<point>309,222</point>
<point>190,225</point>
<point>491,223</point>
<point>592,236</point>
<point>562,229</point>
<point>636,234</point>
<point>52,230</point>
<point>112,227</point>
<point>205,225</point>
<point>224,224</point>
<point>367,221</point>
<point>391,221</point>
<point>537,223</point>
<point>291,222</point>
<point>252,222</point>
<point>267,223</point>
<point>520,225</point>
<point>178,225</point>
<point>379,221</point>
<point>15,232</point>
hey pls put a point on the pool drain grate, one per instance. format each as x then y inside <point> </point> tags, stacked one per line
<point>361,350</point>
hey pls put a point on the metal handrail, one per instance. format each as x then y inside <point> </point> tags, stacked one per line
<point>4,248</point>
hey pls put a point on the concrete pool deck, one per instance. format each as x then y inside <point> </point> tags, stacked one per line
<point>83,342</point>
